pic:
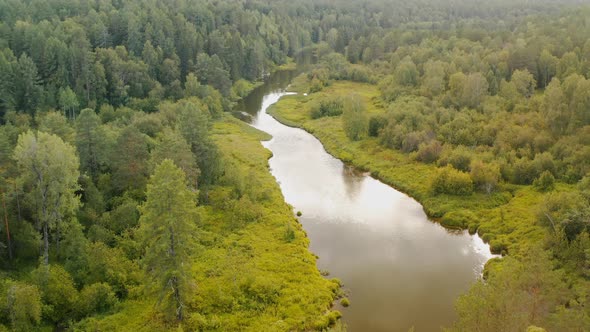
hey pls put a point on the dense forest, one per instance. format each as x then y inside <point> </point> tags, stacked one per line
<point>132,200</point>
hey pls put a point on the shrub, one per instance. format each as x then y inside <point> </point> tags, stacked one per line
<point>485,176</point>
<point>96,298</point>
<point>429,152</point>
<point>22,304</point>
<point>459,158</point>
<point>57,292</point>
<point>459,219</point>
<point>545,182</point>
<point>376,123</point>
<point>453,182</point>
<point>354,118</point>
<point>330,106</point>
<point>345,302</point>
<point>524,171</point>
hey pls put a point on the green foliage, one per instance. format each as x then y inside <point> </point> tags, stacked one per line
<point>514,297</point>
<point>167,228</point>
<point>21,308</point>
<point>95,298</point>
<point>354,118</point>
<point>429,152</point>
<point>545,182</point>
<point>58,293</point>
<point>345,302</point>
<point>331,106</point>
<point>376,123</point>
<point>485,176</point>
<point>453,182</point>
<point>49,172</point>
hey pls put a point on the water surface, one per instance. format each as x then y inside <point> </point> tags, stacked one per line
<point>400,269</point>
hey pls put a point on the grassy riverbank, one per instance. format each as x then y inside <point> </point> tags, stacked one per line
<point>505,219</point>
<point>254,271</point>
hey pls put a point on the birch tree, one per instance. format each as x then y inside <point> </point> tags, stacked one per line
<point>49,174</point>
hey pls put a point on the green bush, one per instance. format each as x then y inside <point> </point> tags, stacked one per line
<point>545,182</point>
<point>96,298</point>
<point>21,303</point>
<point>458,219</point>
<point>330,106</point>
<point>453,182</point>
<point>376,123</point>
<point>58,293</point>
<point>345,302</point>
<point>429,152</point>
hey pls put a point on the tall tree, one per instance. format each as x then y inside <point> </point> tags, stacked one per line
<point>27,89</point>
<point>89,139</point>
<point>168,230</point>
<point>130,160</point>
<point>49,170</point>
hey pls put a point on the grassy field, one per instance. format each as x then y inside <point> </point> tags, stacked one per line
<point>254,271</point>
<point>506,218</point>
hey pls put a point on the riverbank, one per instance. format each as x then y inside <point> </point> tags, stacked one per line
<point>505,219</point>
<point>253,270</point>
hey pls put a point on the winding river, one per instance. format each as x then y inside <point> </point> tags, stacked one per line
<point>399,268</point>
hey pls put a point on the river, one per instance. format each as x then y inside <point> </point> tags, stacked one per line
<point>399,268</point>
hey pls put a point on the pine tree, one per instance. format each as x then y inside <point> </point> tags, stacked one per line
<point>167,230</point>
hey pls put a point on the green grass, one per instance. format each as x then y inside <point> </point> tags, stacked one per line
<point>506,218</point>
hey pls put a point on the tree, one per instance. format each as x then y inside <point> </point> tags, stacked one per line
<point>68,102</point>
<point>555,107</point>
<point>49,170</point>
<point>192,87</point>
<point>485,176</point>
<point>193,125</point>
<point>22,303</point>
<point>517,295</point>
<point>475,89</point>
<point>90,141</point>
<point>453,182</point>
<point>28,92</point>
<point>545,182</point>
<point>130,160</point>
<point>167,230</point>
<point>354,118</point>
<point>171,145</point>
<point>406,72</point>
<point>525,82</point>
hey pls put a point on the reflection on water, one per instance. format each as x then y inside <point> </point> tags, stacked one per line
<point>401,269</point>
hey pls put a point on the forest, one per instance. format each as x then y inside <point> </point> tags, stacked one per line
<point>133,200</point>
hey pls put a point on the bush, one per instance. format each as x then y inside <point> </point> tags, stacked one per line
<point>453,182</point>
<point>330,106</point>
<point>459,219</point>
<point>545,182</point>
<point>22,304</point>
<point>485,176</point>
<point>376,123</point>
<point>96,298</point>
<point>459,158</point>
<point>429,152</point>
<point>57,292</point>
<point>354,118</point>
<point>345,302</point>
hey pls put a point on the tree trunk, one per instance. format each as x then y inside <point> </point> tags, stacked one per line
<point>17,202</point>
<point>45,244</point>
<point>8,241</point>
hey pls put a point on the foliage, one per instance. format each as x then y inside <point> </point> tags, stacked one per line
<point>167,228</point>
<point>453,182</point>
<point>545,182</point>
<point>354,118</point>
